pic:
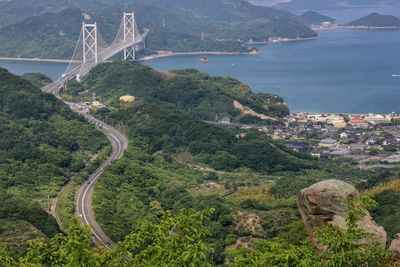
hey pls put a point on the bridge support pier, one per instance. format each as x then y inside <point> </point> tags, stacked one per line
<point>89,32</point>
<point>130,53</point>
<point>129,34</point>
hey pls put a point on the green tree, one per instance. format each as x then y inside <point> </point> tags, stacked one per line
<point>176,241</point>
<point>70,249</point>
<point>275,252</point>
<point>341,248</point>
<point>354,246</point>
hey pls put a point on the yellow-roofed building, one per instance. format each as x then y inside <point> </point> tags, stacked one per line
<point>127,99</point>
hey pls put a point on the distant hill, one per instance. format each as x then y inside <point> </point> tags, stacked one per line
<point>376,20</point>
<point>46,35</point>
<point>329,4</point>
<point>175,25</point>
<point>312,4</point>
<point>18,10</point>
<point>312,17</point>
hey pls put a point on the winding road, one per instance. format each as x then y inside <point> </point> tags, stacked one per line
<point>84,199</point>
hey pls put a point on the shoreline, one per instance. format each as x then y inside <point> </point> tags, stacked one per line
<point>222,53</point>
<point>344,27</point>
<point>55,60</point>
<point>163,54</point>
<point>199,53</point>
<point>283,40</point>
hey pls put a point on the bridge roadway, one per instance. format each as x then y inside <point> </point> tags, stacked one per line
<point>84,68</point>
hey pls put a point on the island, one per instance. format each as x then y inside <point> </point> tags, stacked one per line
<point>315,19</point>
<point>376,20</point>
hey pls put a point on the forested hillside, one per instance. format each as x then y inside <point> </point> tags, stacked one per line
<point>51,29</point>
<point>330,4</point>
<point>176,160</point>
<point>314,18</point>
<point>185,192</point>
<point>42,143</point>
<point>195,93</point>
<point>376,20</point>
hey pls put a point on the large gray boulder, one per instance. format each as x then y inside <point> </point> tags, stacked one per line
<point>323,203</point>
<point>395,246</point>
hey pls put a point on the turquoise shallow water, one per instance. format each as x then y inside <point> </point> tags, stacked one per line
<point>342,71</point>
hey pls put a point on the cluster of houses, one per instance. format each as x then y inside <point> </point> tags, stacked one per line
<point>333,135</point>
<point>324,25</point>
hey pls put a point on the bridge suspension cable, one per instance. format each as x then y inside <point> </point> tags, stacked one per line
<point>91,49</point>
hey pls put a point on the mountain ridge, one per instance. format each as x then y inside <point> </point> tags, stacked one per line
<point>221,26</point>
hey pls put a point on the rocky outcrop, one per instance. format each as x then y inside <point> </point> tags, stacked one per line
<point>323,203</point>
<point>395,246</point>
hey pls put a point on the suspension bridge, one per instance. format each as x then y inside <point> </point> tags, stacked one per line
<point>91,49</point>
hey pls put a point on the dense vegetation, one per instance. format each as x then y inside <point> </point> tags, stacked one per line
<point>194,93</point>
<point>42,143</point>
<point>387,213</point>
<point>244,182</point>
<point>341,248</point>
<point>176,160</point>
<point>376,20</point>
<point>169,144</point>
<point>315,18</point>
<point>37,79</point>
<point>181,240</point>
<point>221,23</point>
<point>152,175</point>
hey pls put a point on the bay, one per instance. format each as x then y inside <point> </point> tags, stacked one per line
<point>342,71</point>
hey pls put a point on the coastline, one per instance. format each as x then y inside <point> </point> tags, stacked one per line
<point>341,27</point>
<point>37,59</point>
<point>163,54</point>
<point>283,40</point>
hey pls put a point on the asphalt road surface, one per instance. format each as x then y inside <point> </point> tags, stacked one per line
<point>84,199</point>
<point>119,144</point>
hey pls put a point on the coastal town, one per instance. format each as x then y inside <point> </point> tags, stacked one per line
<point>371,140</point>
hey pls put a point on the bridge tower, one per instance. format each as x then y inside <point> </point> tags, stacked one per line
<point>129,35</point>
<point>90,47</point>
